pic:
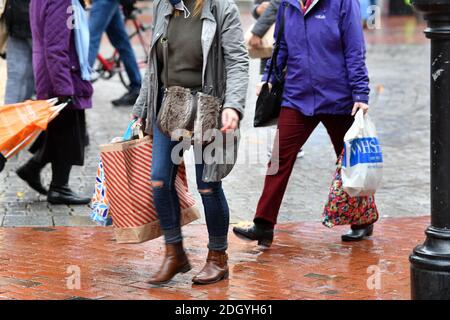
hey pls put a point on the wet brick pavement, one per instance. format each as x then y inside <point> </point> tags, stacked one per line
<point>398,65</point>
<point>306,261</point>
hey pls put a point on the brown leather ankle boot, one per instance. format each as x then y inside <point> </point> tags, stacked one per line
<point>175,261</point>
<point>215,269</point>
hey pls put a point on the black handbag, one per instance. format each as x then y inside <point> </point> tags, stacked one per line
<point>268,104</point>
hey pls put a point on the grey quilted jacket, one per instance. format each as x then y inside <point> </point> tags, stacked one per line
<point>225,70</point>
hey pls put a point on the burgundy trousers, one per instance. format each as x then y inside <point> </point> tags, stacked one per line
<point>294,130</point>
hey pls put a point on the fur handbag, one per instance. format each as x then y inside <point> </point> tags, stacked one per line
<point>187,113</point>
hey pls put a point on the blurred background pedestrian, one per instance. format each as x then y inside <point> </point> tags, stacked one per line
<point>106,16</point>
<point>20,78</point>
<point>3,30</point>
<point>57,71</point>
<point>265,13</point>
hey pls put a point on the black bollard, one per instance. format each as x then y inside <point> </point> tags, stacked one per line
<point>430,262</point>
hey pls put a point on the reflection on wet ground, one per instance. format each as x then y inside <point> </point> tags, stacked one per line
<point>306,261</point>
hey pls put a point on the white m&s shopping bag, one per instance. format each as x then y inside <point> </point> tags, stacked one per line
<point>362,165</point>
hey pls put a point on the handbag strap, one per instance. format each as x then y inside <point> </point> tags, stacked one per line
<point>218,65</point>
<point>165,46</point>
<point>276,50</point>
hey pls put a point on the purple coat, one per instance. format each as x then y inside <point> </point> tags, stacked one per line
<point>55,60</point>
<point>324,52</point>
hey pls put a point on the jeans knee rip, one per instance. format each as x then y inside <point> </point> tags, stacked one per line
<point>206,192</point>
<point>157,184</point>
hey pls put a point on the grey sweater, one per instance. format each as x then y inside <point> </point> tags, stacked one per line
<point>185,58</point>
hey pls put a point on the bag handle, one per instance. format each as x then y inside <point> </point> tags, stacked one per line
<point>348,151</point>
<point>359,122</point>
<point>359,117</point>
<point>165,45</point>
<point>276,50</point>
<point>140,130</point>
<point>128,134</point>
<point>218,67</point>
<point>57,109</point>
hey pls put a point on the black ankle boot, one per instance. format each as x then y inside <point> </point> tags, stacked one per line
<point>64,195</point>
<point>30,172</point>
<point>258,231</point>
<point>357,234</point>
<point>60,192</point>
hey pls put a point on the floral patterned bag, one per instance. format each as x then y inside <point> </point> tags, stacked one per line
<point>100,204</point>
<point>341,209</point>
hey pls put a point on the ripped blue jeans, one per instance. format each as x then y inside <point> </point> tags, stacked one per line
<point>167,204</point>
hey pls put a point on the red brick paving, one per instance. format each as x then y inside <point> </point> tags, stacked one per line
<point>306,261</point>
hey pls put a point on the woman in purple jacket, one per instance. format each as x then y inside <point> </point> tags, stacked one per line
<point>57,72</point>
<point>326,82</point>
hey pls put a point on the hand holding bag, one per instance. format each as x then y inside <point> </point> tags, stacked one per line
<point>266,48</point>
<point>268,105</point>
<point>362,166</point>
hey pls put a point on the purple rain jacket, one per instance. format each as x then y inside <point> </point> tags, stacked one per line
<point>55,60</point>
<point>324,52</point>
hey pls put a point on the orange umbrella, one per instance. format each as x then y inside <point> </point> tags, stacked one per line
<point>21,123</point>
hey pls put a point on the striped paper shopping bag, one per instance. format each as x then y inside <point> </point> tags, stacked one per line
<point>127,167</point>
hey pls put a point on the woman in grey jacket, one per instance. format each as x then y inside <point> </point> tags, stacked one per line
<point>204,37</point>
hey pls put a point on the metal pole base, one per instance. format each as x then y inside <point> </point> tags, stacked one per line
<point>430,267</point>
<point>430,262</point>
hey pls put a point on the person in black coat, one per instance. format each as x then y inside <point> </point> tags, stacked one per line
<point>20,78</point>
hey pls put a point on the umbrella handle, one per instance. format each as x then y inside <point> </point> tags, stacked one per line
<point>52,101</point>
